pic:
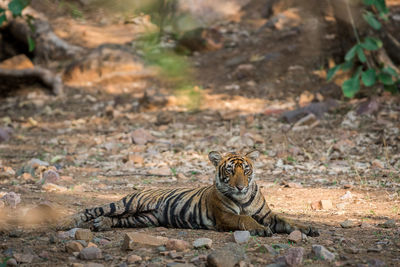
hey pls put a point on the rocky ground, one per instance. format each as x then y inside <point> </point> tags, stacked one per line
<point>338,168</point>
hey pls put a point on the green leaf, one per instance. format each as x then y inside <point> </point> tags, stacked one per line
<point>16,6</point>
<point>332,72</point>
<point>351,86</point>
<point>2,16</point>
<point>369,2</point>
<point>368,77</point>
<point>352,52</point>
<point>381,6</point>
<point>390,71</point>
<point>394,89</point>
<point>372,21</point>
<point>361,55</point>
<point>371,44</point>
<point>385,78</point>
<point>346,65</point>
<point>31,44</point>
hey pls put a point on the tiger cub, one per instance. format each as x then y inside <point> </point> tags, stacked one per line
<point>233,202</point>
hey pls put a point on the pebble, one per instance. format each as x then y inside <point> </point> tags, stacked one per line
<point>130,239</point>
<point>294,256</point>
<point>376,263</point>
<point>267,248</point>
<point>91,253</point>
<point>11,199</point>
<point>347,224</point>
<point>388,224</point>
<point>202,242</point>
<point>177,244</point>
<point>83,234</point>
<point>241,236</point>
<point>94,264</point>
<point>326,204</point>
<point>23,257</point>
<point>352,250</point>
<point>230,255</point>
<point>376,249</point>
<point>12,262</point>
<point>322,253</point>
<point>346,196</point>
<point>295,236</point>
<point>133,258</point>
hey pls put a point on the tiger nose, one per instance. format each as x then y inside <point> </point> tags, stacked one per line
<point>240,187</point>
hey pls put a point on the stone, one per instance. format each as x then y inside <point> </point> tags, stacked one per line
<point>11,199</point>
<point>241,236</point>
<point>141,136</point>
<point>73,246</point>
<point>12,262</point>
<point>294,256</point>
<point>91,253</point>
<point>23,257</point>
<point>177,244</point>
<point>388,224</point>
<point>351,250</point>
<point>51,176</point>
<point>83,234</point>
<point>316,205</point>
<point>378,164</point>
<point>322,253</point>
<point>202,243</point>
<point>376,263</point>
<point>295,236</point>
<point>326,204</point>
<point>134,238</point>
<point>346,196</point>
<point>229,255</point>
<point>94,264</point>
<point>376,249</point>
<point>347,224</point>
<point>267,249</point>
<point>133,258</point>
<point>365,225</point>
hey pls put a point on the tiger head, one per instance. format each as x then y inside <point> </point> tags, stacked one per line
<point>234,173</point>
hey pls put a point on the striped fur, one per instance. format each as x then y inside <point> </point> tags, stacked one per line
<point>233,202</point>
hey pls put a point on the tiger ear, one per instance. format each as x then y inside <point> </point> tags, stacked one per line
<point>253,155</point>
<point>215,157</point>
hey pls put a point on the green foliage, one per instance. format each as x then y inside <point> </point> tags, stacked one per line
<point>356,57</point>
<point>16,7</point>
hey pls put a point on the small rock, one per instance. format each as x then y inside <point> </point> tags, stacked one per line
<point>11,199</point>
<point>73,246</point>
<point>4,135</point>
<point>365,225</point>
<point>133,238</point>
<point>133,258</point>
<point>37,162</point>
<point>50,176</point>
<point>12,262</point>
<point>202,242</point>
<point>376,263</point>
<point>348,195</point>
<point>241,236</point>
<point>83,234</point>
<point>94,264</point>
<point>388,224</point>
<point>316,205</point>
<point>326,204</point>
<point>177,244</point>
<point>376,249</point>
<point>294,256</point>
<point>229,255</point>
<point>141,136</point>
<point>91,253</point>
<point>352,250</point>
<point>267,248</point>
<point>347,224</point>
<point>378,164</point>
<point>322,253</point>
<point>23,257</point>
<point>295,236</point>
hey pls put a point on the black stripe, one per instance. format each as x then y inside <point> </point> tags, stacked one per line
<point>261,220</point>
<point>253,195</point>
<point>175,219</point>
<point>112,208</point>
<point>259,209</point>
<point>229,207</point>
<point>165,211</point>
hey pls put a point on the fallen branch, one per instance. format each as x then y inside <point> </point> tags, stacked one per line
<point>10,79</point>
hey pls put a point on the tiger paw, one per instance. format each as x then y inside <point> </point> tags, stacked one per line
<point>102,224</point>
<point>309,230</point>
<point>262,232</point>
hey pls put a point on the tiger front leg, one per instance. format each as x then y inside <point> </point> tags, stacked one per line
<point>232,222</point>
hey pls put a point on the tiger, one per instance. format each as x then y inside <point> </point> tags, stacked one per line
<point>233,202</point>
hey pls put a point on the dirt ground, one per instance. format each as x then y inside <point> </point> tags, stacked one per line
<point>350,160</point>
